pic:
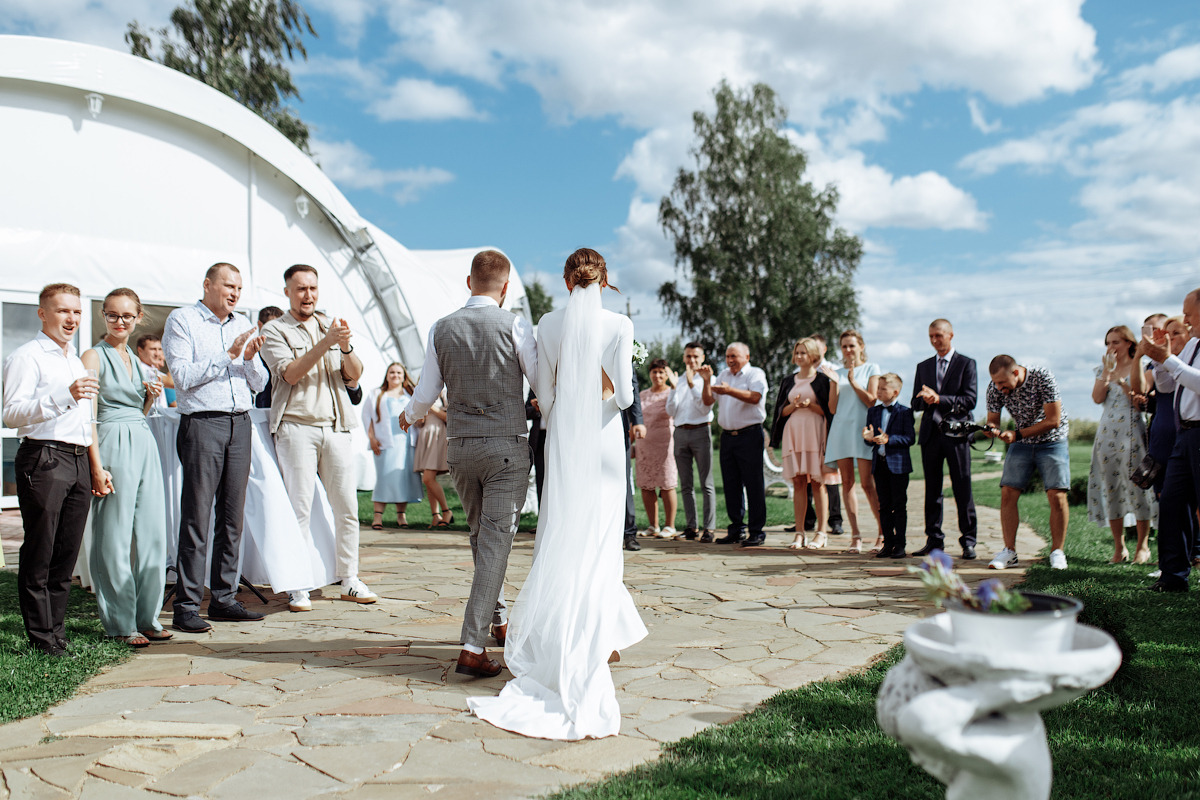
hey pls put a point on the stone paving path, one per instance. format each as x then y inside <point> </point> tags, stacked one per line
<point>361,701</point>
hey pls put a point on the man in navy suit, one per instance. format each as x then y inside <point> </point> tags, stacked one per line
<point>890,432</point>
<point>946,388</point>
<point>635,428</point>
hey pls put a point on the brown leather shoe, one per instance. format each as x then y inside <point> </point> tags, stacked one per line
<point>500,633</point>
<point>477,665</point>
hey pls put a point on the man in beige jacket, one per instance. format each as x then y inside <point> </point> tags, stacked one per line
<point>311,359</point>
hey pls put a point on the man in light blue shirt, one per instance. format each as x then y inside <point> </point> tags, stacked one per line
<point>212,353</point>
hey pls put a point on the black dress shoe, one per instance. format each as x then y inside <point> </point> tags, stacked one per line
<point>689,534</point>
<point>884,553</point>
<point>968,553</point>
<point>234,612</point>
<point>190,622</point>
<point>1168,586</point>
<point>631,543</point>
<point>52,650</point>
<point>898,553</point>
<point>706,536</point>
<point>731,538</point>
<point>836,531</point>
<point>926,550</point>
<point>790,529</point>
<point>755,541</point>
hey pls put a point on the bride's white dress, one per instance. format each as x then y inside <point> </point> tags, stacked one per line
<point>574,609</point>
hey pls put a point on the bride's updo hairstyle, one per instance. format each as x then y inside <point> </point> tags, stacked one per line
<point>584,267</point>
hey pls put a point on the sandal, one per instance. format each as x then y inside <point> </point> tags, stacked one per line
<point>855,546</point>
<point>133,640</point>
<point>402,521</point>
<point>451,513</point>
<point>158,636</point>
<point>875,548</point>
<point>441,523</point>
<point>818,541</point>
<point>797,543</point>
<point>377,525</point>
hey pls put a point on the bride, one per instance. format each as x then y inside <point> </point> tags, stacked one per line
<point>574,613</point>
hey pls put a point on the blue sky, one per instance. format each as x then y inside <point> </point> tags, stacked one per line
<point>1024,167</point>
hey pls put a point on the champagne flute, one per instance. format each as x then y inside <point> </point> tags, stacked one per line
<point>91,373</point>
<point>1110,362</point>
<point>155,378</point>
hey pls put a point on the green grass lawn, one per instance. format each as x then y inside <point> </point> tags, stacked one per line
<point>1134,738</point>
<point>31,682</point>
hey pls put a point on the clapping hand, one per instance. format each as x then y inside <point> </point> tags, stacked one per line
<point>705,373</point>
<point>869,435</point>
<point>253,346</point>
<point>929,395</point>
<point>239,344</point>
<point>720,388</point>
<point>1156,349</point>
<point>673,379</point>
<point>339,334</point>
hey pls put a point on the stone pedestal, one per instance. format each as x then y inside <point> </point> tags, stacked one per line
<point>971,719</point>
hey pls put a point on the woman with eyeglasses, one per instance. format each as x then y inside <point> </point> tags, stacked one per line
<point>127,556</point>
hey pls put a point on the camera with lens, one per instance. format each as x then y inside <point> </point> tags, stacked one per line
<point>961,428</point>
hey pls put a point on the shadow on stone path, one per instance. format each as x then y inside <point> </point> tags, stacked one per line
<point>361,701</point>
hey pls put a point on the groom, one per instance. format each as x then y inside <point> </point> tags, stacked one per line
<point>479,354</point>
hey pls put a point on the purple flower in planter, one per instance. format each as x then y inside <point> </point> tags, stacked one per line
<point>988,591</point>
<point>938,558</point>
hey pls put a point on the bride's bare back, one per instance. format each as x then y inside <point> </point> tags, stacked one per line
<point>606,384</point>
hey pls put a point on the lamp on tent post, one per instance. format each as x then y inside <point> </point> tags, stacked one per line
<point>302,205</point>
<point>95,102</point>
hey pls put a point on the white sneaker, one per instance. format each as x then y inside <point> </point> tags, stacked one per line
<point>1058,559</point>
<point>649,533</point>
<point>356,591</point>
<point>667,533</point>
<point>1156,574</point>
<point>298,601</point>
<point>1004,559</point>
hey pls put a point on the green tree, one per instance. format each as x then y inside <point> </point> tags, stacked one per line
<point>539,300</point>
<point>672,351</point>
<point>757,243</point>
<point>237,47</point>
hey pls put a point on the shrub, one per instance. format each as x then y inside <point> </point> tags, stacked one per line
<point>1102,609</point>
<point>1083,430</point>
<point>1077,494</point>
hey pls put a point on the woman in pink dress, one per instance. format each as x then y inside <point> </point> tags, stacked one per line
<point>656,472</point>
<point>804,408</point>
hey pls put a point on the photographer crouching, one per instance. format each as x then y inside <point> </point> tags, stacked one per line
<point>1040,440</point>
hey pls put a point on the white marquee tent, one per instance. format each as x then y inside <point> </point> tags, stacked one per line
<point>121,172</point>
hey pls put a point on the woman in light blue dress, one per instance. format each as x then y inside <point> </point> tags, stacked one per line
<point>128,550</point>
<point>857,382</point>
<point>395,481</point>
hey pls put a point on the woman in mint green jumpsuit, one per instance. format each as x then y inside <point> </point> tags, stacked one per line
<point>128,525</point>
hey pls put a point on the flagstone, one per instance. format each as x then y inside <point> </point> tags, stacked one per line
<point>65,773</point>
<point>679,689</point>
<point>265,777</point>
<point>321,730</point>
<point>123,777</point>
<point>20,734</point>
<point>114,701</point>
<point>697,659</point>
<point>156,757</point>
<point>154,729</point>
<point>851,654</point>
<point>732,675</point>
<point>354,763</point>
<point>210,711</point>
<point>69,746</point>
<point>438,761</point>
<point>744,697</point>
<point>599,756</point>
<point>95,788</point>
<point>681,725</point>
<point>141,669</point>
<point>22,784</point>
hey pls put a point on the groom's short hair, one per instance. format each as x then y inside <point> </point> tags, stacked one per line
<point>489,270</point>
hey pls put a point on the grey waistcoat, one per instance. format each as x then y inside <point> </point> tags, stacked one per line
<point>478,360</point>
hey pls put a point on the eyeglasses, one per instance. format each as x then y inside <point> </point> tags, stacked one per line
<point>115,318</point>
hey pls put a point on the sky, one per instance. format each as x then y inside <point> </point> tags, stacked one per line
<point>1024,168</point>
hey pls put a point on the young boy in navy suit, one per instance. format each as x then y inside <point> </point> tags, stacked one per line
<point>890,432</point>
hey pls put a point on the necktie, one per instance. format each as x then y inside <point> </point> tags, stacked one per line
<point>941,371</point>
<point>884,416</point>
<point>1179,387</point>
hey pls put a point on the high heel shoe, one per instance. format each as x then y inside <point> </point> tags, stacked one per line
<point>1122,557</point>
<point>377,525</point>
<point>818,541</point>
<point>1142,556</point>
<point>797,543</point>
<point>855,546</point>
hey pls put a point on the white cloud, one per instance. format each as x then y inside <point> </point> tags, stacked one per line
<point>1169,70</point>
<point>978,120</point>
<point>351,167</point>
<point>100,22</point>
<point>412,99</point>
<point>350,17</point>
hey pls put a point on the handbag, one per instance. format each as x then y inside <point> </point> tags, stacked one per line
<point>1146,473</point>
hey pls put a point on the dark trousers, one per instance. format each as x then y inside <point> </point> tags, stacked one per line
<point>54,491</point>
<point>630,511</point>
<point>742,473</point>
<point>214,450</point>
<point>834,523</point>
<point>955,454</point>
<point>538,442</point>
<point>893,506</point>
<point>1177,513</point>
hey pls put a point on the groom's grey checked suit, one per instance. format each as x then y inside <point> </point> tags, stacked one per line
<point>480,352</point>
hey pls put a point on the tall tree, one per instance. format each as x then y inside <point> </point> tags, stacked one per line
<point>539,300</point>
<point>755,240</point>
<point>237,47</point>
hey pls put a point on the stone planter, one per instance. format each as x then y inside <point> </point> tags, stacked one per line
<point>1047,627</point>
<point>969,714</point>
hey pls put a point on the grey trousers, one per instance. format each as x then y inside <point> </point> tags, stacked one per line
<point>491,475</point>
<point>214,450</point>
<point>696,445</point>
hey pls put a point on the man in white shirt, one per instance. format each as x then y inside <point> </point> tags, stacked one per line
<point>48,399</point>
<point>741,412</point>
<point>1181,486</point>
<point>150,353</point>
<point>212,353</point>
<point>311,358</point>
<point>693,440</point>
